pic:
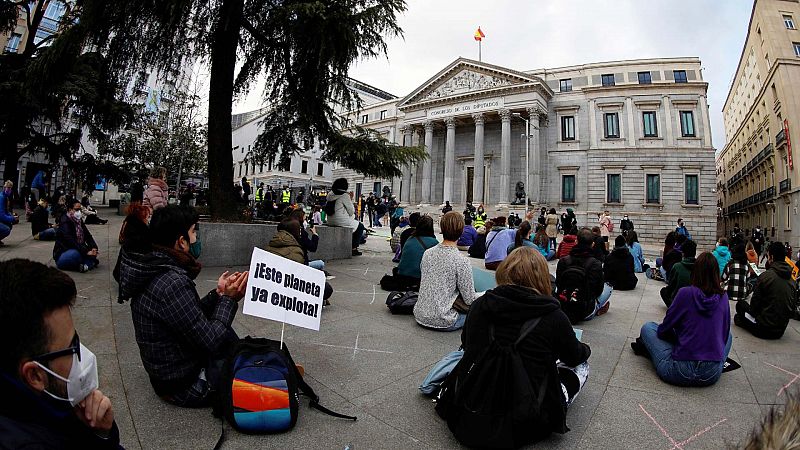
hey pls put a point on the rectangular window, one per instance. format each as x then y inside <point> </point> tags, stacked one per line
<point>687,124</point>
<point>680,76</point>
<point>13,43</point>
<point>383,114</point>
<point>691,190</point>
<point>568,188</point>
<point>649,124</point>
<point>608,79</point>
<point>653,188</point>
<point>567,128</point>
<point>320,169</point>
<point>304,166</point>
<point>611,121</point>
<point>376,188</point>
<point>644,78</point>
<point>614,188</point>
<point>788,22</point>
<point>364,119</point>
<point>796,46</point>
<point>565,85</point>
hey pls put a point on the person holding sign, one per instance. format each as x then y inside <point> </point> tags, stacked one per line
<point>182,338</point>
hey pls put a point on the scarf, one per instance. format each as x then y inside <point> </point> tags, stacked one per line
<point>185,261</point>
<point>78,226</point>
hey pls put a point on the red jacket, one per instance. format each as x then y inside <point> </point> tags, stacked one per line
<point>566,245</point>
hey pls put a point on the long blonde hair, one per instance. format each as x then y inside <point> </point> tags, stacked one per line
<point>525,267</point>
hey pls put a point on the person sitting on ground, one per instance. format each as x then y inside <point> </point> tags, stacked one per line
<point>468,236</point>
<point>522,238</point>
<point>7,217</point>
<point>48,378</point>
<point>772,305</point>
<point>690,346</point>
<point>752,255</point>
<point>447,207</point>
<point>406,276</point>
<point>182,338</point>
<point>134,237</point>
<point>568,242</point>
<point>618,267</point>
<point>75,248</point>
<point>413,220</point>
<point>674,256</point>
<point>478,247</point>
<point>41,228</point>
<point>592,294</point>
<point>90,216</point>
<point>550,351</point>
<point>599,250</point>
<point>632,241</point>
<point>722,253</point>
<point>286,242</point>
<point>394,242</point>
<point>308,243</point>
<point>497,241</point>
<point>735,275</point>
<point>681,273</point>
<point>157,193</point>
<point>543,242</point>
<point>340,212</point>
<point>659,273</point>
<point>446,287</point>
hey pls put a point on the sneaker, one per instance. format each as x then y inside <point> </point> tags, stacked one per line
<point>639,348</point>
<point>83,268</point>
<point>648,273</point>
<point>604,309</point>
<point>356,252</point>
<point>36,237</point>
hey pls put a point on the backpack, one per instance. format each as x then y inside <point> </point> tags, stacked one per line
<point>329,208</point>
<point>260,388</point>
<point>400,302</point>
<point>491,402</point>
<point>610,226</point>
<point>573,291</point>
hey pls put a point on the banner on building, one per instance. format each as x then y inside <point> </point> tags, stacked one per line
<point>788,143</point>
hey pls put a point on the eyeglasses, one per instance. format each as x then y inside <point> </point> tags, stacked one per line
<point>74,347</point>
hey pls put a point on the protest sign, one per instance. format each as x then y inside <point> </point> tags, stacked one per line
<point>283,290</point>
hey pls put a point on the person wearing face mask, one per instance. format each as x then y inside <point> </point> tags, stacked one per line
<point>626,225</point>
<point>7,217</point>
<point>182,338</point>
<point>758,239</point>
<point>48,378</point>
<point>75,247</point>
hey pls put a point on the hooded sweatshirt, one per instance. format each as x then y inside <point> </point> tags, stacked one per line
<point>344,211</point>
<point>566,245</point>
<point>699,323</point>
<point>284,244</point>
<point>618,270</point>
<point>508,308</point>
<point>723,255</point>
<point>497,242</point>
<point>773,297</point>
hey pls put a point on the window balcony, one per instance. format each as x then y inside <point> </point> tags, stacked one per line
<point>785,185</point>
<point>780,138</point>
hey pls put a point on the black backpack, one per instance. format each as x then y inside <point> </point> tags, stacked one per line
<point>491,402</point>
<point>572,291</point>
<point>400,302</point>
<point>260,388</point>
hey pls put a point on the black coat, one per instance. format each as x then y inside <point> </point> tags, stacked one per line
<point>39,220</point>
<point>618,270</point>
<point>137,192</point>
<point>66,238</point>
<point>309,244</point>
<point>508,308</point>
<point>30,420</point>
<point>594,276</point>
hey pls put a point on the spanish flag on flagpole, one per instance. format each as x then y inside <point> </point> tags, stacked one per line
<point>479,37</point>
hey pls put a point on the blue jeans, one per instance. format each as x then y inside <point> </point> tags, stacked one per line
<point>459,324</point>
<point>5,230</point>
<point>72,260</point>
<point>680,373</point>
<point>604,297</point>
<point>48,235</point>
<point>550,255</point>
<point>317,264</point>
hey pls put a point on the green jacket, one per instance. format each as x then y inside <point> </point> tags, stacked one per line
<point>773,297</point>
<point>680,276</point>
<point>284,244</point>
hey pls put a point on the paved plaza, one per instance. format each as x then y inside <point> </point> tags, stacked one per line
<point>368,363</point>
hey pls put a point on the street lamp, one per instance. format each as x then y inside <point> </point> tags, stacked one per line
<point>527,156</point>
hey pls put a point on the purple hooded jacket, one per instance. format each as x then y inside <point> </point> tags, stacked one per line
<point>699,324</point>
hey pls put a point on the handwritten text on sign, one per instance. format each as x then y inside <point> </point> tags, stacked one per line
<point>283,290</point>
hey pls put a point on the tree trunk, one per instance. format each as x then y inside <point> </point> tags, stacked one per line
<point>224,204</point>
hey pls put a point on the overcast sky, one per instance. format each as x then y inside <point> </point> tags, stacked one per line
<point>533,34</point>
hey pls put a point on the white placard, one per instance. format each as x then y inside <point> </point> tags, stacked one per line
<point>466,108</point>
<point>283,290</point>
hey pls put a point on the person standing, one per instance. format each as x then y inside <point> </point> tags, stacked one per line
<point>245,190</point>
<point>38,187</point>
<point>156,194</point>
<point>758,239</point>
<point>480,217</point>
<point>7,217</point>
<point>605,227</point>
<point>371,209</point>
<point>137,191</point>
<point>626,225</point>
<point>681,229</point>
<point>551,223</point>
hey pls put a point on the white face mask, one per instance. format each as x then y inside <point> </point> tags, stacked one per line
<point>82,378</point>
<point>77,215</point>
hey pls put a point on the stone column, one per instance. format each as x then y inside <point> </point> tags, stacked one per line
<point>405,194</point>
<point>416,185</point>
<point>426,168</point>
<point>449,159</point>
<point>505,155</point>
<point>704,120</point>
<point>592,125</point>
<point>630,129</point>
<point>668,121</point>
<point>478,174</point>
<point>533,182</point>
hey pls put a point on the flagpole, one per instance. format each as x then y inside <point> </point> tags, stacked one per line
<point>479,50</point>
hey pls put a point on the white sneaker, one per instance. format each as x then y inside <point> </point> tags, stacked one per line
<point>83,268</point>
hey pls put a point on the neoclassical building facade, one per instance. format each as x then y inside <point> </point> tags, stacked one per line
<point>628,136</point>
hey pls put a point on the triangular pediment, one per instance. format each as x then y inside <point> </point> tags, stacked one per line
<point>464,77</point>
